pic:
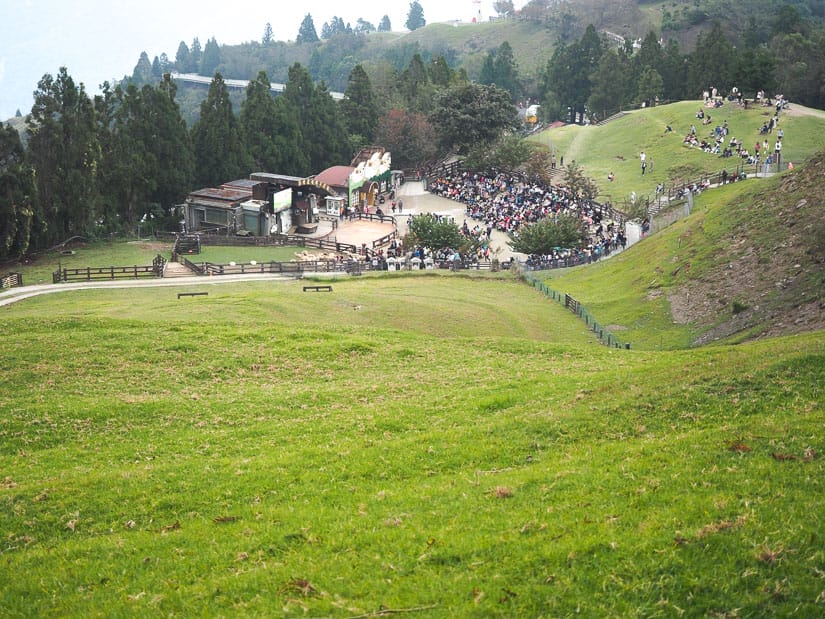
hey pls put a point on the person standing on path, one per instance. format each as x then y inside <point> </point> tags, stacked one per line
<point>643,159</point>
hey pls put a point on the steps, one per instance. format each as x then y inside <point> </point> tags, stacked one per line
<point>176,269</point>
<point>615,116</point>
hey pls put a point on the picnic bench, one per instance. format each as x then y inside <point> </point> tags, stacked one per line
<point>192,294</point>
<point>317,288</point>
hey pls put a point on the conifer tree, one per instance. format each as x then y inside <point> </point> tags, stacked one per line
<point>18,195</point>
<point>142,73</point>
<point>267,38</point>
<point>307,32</point>
<point>211,58</point>
<point>359,107</point>
<point>216,139</point>
<point>272,137</point>
<point>195,54</point>
<point>64,151</point>
<point>182,58</point>
<point>415,18</point>
<point>324,134</point>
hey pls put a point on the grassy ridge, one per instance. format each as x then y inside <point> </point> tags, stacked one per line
<point>452,445</point>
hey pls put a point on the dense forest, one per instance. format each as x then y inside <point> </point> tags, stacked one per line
<point>97,166</point>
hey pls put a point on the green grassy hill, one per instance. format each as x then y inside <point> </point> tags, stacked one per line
<point>443,446</point>
<point>615,147</point>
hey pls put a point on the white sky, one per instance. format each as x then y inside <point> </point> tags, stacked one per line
<point>99,40</point>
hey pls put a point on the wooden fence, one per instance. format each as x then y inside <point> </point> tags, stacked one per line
<point>605,336</point>
<point>97,273</point>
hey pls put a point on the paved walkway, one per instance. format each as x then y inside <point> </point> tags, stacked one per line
<point>25,292</point>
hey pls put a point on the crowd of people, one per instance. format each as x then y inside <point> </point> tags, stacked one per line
<point>507,202</point>
<point>717,142</point>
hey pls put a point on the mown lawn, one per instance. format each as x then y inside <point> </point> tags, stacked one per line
<point>438,446</point>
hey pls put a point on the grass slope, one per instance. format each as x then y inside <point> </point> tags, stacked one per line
<point>615,147</point>
<point>747,263</point>
<point>453,446</point>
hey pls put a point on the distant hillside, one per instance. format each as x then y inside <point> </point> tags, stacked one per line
<point>464,46</point>
<point>533,34</point>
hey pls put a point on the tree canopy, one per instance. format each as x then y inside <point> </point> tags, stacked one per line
<point>564,231</point>
<point>434,233</point>
<point>470,115</point>
<point>359,106</point>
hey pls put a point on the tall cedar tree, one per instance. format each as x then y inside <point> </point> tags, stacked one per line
<point>211,58</point>
<point>414,85</point>
<point>216,138</point>
<point>385,25</point>
<point>415,18</point>
<point>307,32</point>
<point>271,134</point>
<point>267,38</point>
<point>567,80</point>
<point>182,57</point>
<point>129,170</point>
<point>147,155</point>
<point>441,75</point>
<point>713,63</point>
<point>142,73</point>
<point>609,85</point>
<point>506,70</point>
<point>64,151</point>
<point>500,68</point>
<point>172,146</point>
<point>359,107</point>
<point>472,114</point>
<point>324,135</point>
<point>195,55</point>
<point>18,195</point>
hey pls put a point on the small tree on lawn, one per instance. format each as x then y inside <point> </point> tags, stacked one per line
<point>562,231</point>
<point>432,233</point>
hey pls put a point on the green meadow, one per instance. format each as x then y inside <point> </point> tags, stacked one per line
<point>436,444</point>
<point>431,446</point>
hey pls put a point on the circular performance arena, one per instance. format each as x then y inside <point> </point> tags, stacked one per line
<point>360,232</point>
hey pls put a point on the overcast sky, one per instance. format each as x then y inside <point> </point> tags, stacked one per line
<point>99,40</point>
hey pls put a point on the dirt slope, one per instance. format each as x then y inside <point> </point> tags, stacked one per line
<point>768,278</point>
